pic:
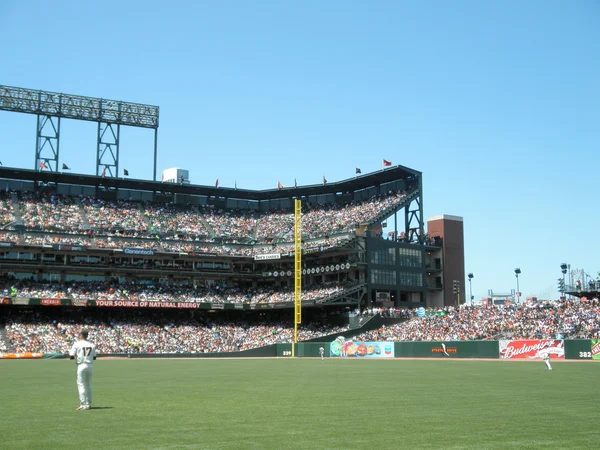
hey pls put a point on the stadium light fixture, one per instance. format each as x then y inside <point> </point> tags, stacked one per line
<point>456,291</point>
<point>563,268</point>
<point>470,276</point>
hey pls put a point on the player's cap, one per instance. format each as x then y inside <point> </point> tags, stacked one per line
<point>84,334</point>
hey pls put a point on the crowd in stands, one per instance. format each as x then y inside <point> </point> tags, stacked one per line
<point>123,218</point>
<point>183,219</point>
<point>391,313</point>
<point>212,293</point>
<point>181,332</point>
<point>6,214</point>
<point>10,237</point>
<point>50,212</point>
<point>153,332</point>
<point>170,245</point>
<point>522,321</point>
<point>332,218</point>
<point>112,217</point>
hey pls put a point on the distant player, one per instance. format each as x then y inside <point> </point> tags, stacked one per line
<point>322,353</point>
<point>84,353</point>
<point>444,349</point>
<point>546,358</point>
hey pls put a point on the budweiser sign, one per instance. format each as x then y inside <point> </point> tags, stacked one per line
<point>531,349</point>
<point>595,348</point>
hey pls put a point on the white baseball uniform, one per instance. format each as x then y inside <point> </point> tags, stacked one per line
<point>84,353</point>
<point>546,357</point>
<point>444,349</point>
<point>322,352</point>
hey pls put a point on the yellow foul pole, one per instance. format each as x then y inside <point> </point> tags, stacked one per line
<point>297,270</point>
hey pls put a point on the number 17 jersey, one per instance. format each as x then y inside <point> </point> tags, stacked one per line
<point>83,351</point>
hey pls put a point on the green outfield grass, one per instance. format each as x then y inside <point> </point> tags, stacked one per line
<point>301,404</point>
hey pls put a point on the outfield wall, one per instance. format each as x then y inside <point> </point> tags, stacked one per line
<point>556,349</point>
<point>456,349</point>
<point>570,349</point>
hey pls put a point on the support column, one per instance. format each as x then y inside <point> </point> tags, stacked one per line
<point>414,219</point>
<point>47,141</point>
<point>107,156</point>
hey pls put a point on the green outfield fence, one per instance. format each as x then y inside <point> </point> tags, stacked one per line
<point>569,349</point>
<point>574,349</point>
<point>459,349</point>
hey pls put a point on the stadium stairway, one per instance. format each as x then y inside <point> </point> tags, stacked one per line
<point>387,212</point>
<point>142,211</point>
<point>84,218</point>
<point>372,323</point>
<point>255,231</point>
<point>16,208</point>
<point>211,232</point>
<point>4,341</point>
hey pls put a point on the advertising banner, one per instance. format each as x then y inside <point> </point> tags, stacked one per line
<point>267,257</point>
<point>136,304</point>
<point>50,302</point>
<point>595,348</point>
<point>70,248</point>
<point>79,302</point>
<point>26,355</point>
<point>202,254</point>
<point>5,244</point>
<point>139,251</point>
<point>18,301</point>
<point>341,348</point>
<point>532,349</point>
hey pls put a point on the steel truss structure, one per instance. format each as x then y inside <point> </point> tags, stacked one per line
<point>351,296</point>
<point>414,227</point>
<point>51,107</point>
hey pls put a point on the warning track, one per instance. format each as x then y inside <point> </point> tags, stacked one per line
<point>233,358</point>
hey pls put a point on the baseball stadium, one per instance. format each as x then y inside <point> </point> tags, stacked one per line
<point>311,316</point>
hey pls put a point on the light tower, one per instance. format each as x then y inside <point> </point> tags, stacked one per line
<point>517,272</point>
<point>470,276</point>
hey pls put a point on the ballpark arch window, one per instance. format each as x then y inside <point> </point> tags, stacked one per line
<point>385,256</point>
<point>410,257</point>
<point>383,277</point>
<point>410,279</point>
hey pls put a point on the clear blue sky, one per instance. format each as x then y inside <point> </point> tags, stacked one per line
<point>497,103</point>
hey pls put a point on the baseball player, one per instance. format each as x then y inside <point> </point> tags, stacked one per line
<point>84,353</point>
<point>546,358</point>
<point>322,353</point>
<point>444,349</point>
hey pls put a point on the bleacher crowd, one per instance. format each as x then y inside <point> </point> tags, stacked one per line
<point>51,219</point>
<point>213,293</point>
<point>155,332</point>
<point>543,320</point>
<point>90,216</point>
